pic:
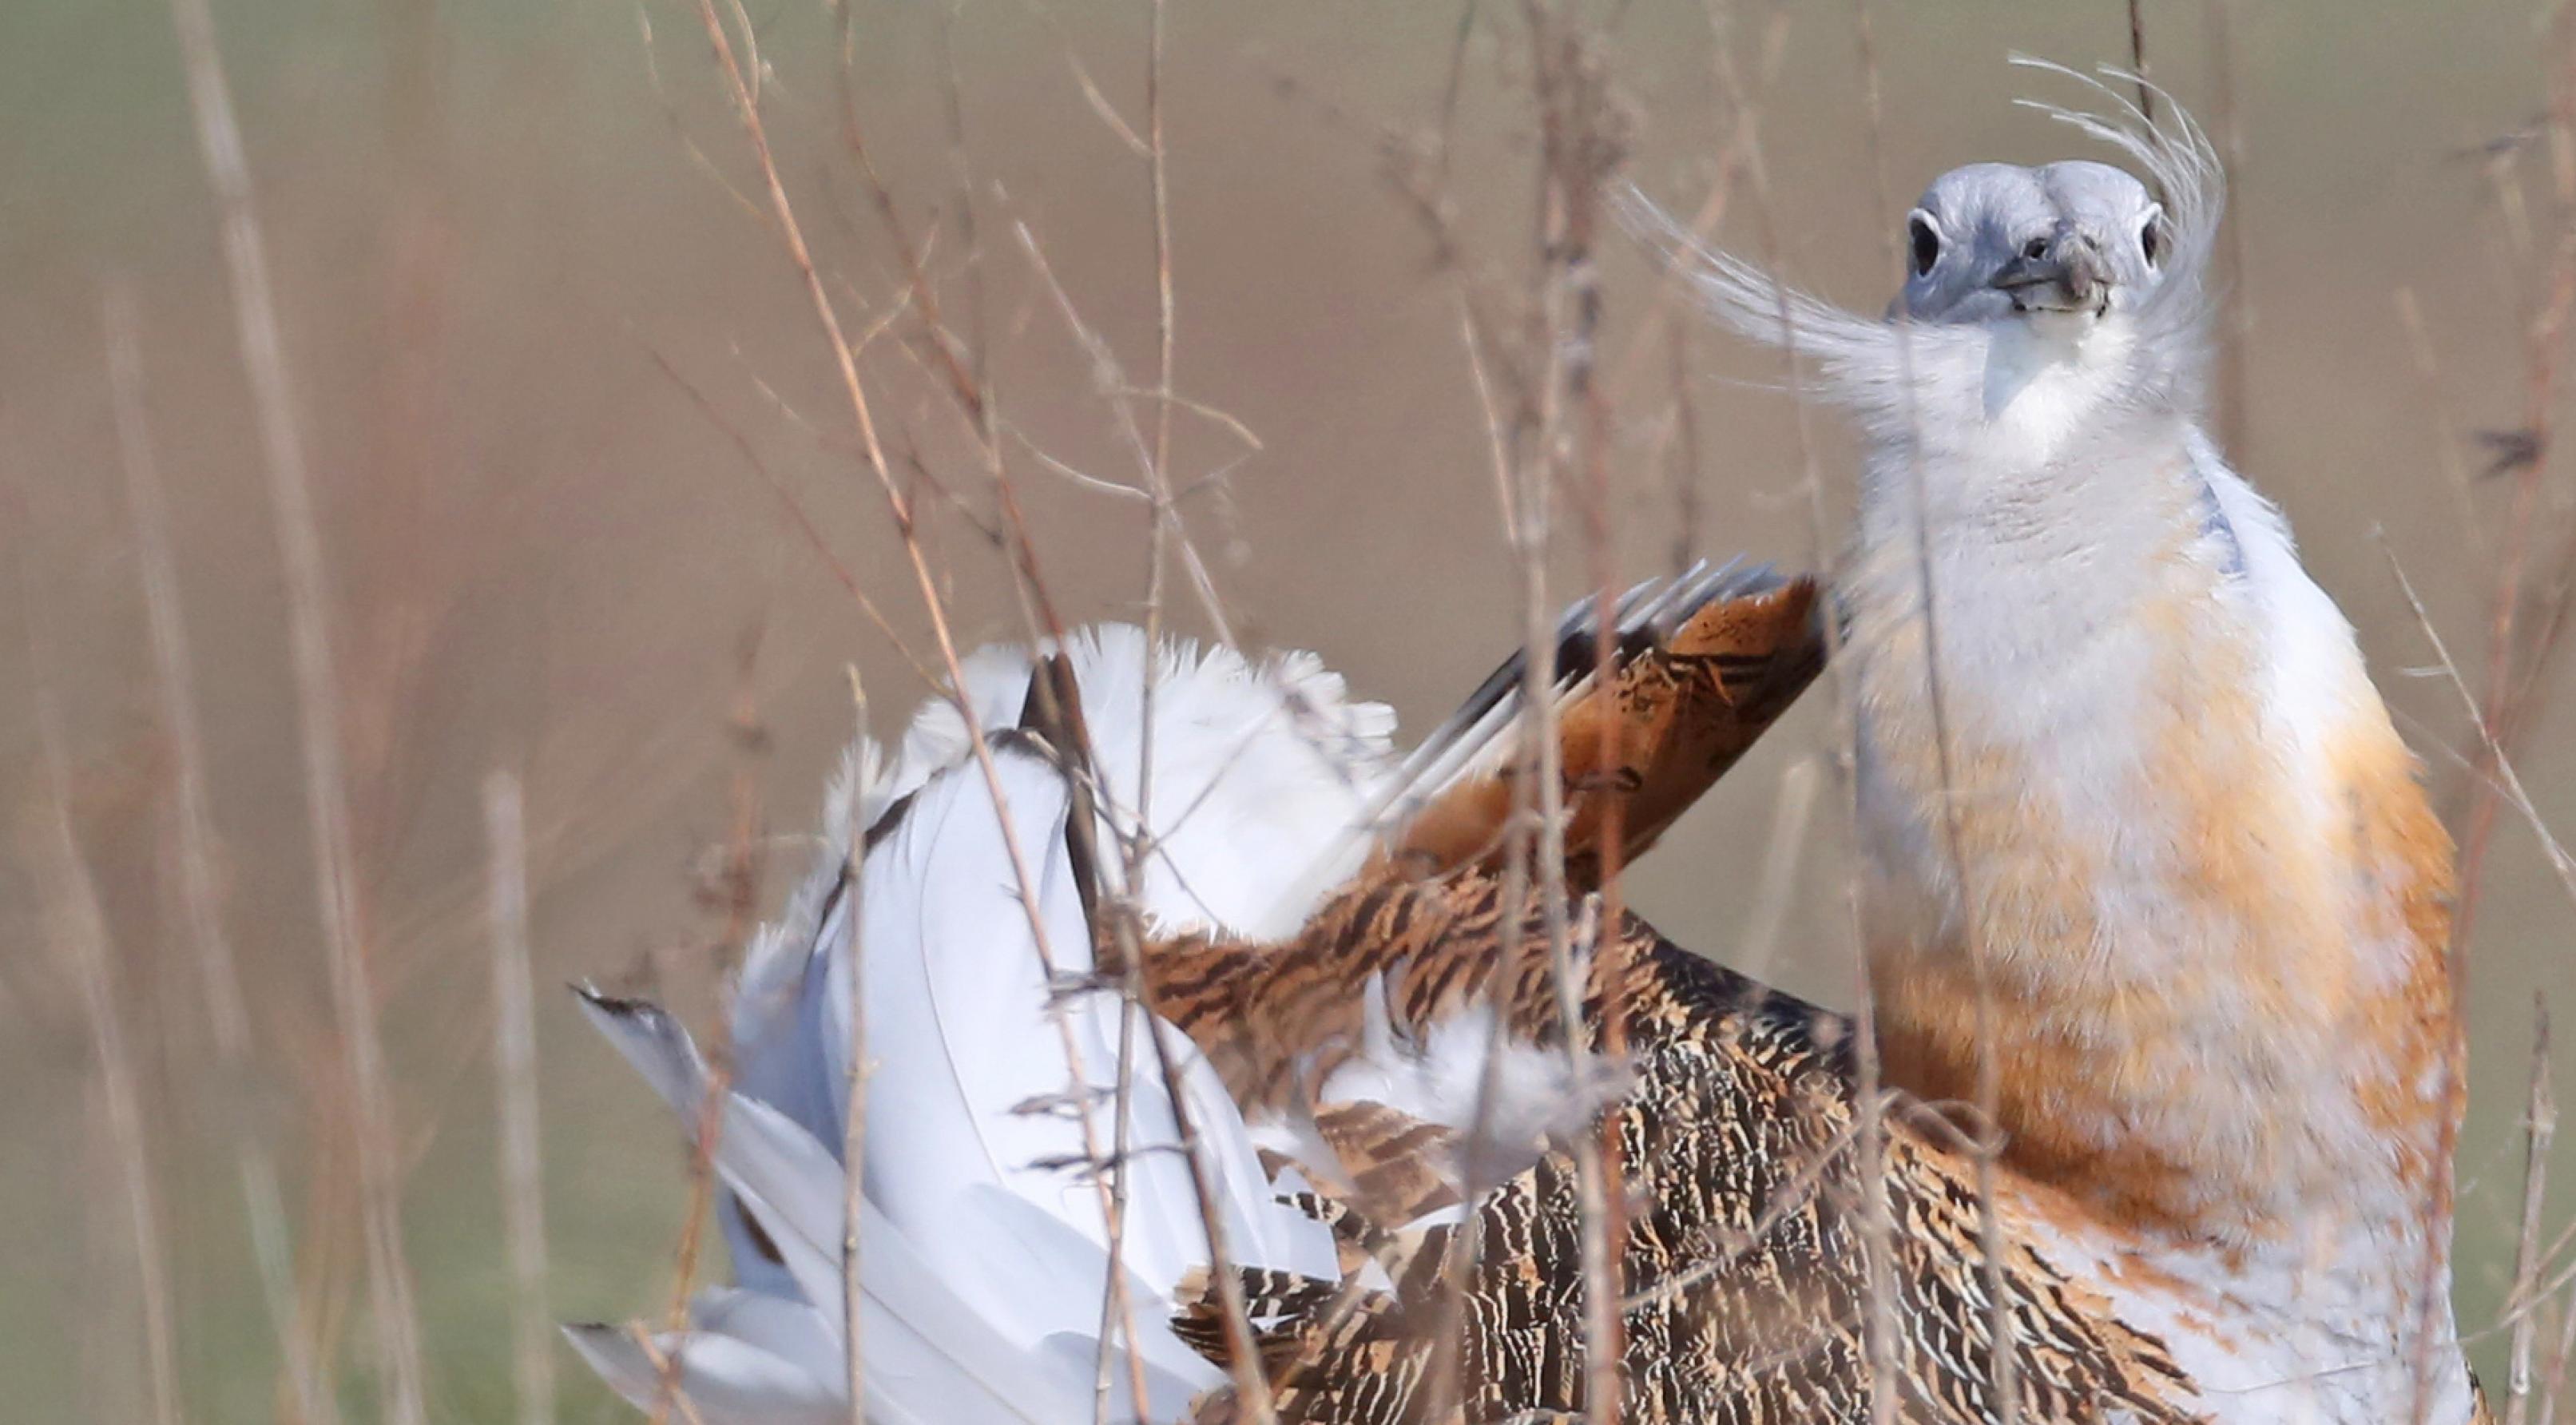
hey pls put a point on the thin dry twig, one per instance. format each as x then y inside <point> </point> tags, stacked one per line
<point>1091,92</point>
<point>2446,429</point>
<point>1879,1326</point>
<point>2005,1388</point>
<point>1126,916</point>
<point>2512,790</point>
<point>2540,1127</point>
<point>1668,306</point>
<point>200,899</point>
<point>794,509</point>
<point>664,1367</point>
<point>2236,323</point>
<point>854,1126</point>
<point>2500,708</point>
<point>1547,422</point>
<point>318,709</point>
<point>1248,1377</point>
<point>735,890</point>
<point>964,367</point>
<point>2138,62</point>
<point>514,1065</point>
<point>1782,849</point>
<point>1579,147</point>
<point>1445,1377</point>
<point>1110,380</point>
<point>81,930</point>
<point>2558,1357</point>
<point>2502,776</point>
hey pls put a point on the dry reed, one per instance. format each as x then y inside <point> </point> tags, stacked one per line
<point>317,696</point>
<point>1249,1379</point>
<point>514,1072</point>
<point>200,899</point>
<point>80,930</point>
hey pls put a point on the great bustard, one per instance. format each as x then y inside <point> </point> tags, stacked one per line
<point>2158,851</point>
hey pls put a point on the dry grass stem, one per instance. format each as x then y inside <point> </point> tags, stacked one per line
<point>2540,1127</point>
<point>80,930</point>
<point>2525,453</point>
<point>514,1065</point>
<point>666,1368</point>
<point>2446,429</point>
<point>2503,778</point>
<point>1783,848</point>
<point>2236,323</point>
<point>734,890</point>
<point>1247,1374</point>
<point>2555,1389</point>
<point>1668,307</point>
<point>962,365</point>
<point>1445,1383</point>
<point>1556,440</point>
<point>2004,1387</point>
<point>1110,380</point>
<point>794,509</point>
<point>200,896</point>
<point>854,1127</point>
<point>317,696</point>
<point>1877,1225</point>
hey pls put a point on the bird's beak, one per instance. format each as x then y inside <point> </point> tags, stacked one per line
<point>2069,274</point>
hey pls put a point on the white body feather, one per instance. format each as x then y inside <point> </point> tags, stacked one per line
<point>984,1248</point>
<point>2049,527</point>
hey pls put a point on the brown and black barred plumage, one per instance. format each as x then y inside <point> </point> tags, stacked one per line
<point>1732,1122</point>
<point>1743,1251</point>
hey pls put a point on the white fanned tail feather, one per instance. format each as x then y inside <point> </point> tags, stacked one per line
<point>983,1241</point>
<point>993,1067</point>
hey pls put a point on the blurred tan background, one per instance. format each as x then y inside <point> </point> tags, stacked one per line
<point>539,347</point>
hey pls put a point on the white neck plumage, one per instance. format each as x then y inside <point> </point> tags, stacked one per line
<point>2172,868</point>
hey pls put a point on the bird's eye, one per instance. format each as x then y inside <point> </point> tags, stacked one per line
<point>2151,236</point>
<point>1926,241</point>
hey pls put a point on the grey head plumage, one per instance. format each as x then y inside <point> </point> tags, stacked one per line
<point>1993,244</point>
<point>1992,241</point>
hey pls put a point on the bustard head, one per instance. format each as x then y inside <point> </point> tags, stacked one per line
<point>1994,250</point>
<point>2064,243</point>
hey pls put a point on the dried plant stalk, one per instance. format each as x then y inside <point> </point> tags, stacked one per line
<point>200,900</point>
<point>854,1128</point>
<point>1254,1389</point>
<point>1783,847</point>
<point>735,888</point>
<point>318,708</point>
<point>1879,1326</point>
<point>2540,1127</point>
<point>2004,1387</point>
<point>514,1065</point>
<point>2236,323</point>
<point>2512,670</point>
<point>81,930</point>
<point>1560,440</point>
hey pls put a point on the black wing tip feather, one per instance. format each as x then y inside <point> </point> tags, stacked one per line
<point>617,1006</point>
<point>1647,613</point>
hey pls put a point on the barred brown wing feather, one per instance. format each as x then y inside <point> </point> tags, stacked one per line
<point>1740,1260</point>
<point>1700,670</point>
